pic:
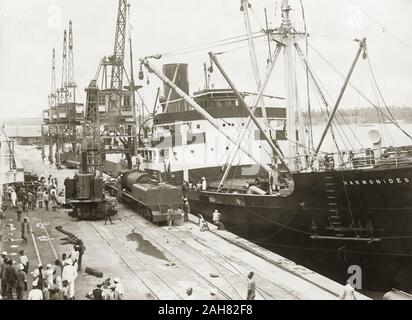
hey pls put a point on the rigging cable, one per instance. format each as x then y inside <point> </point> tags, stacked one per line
<point>384,29</point>
<point>359,92</point>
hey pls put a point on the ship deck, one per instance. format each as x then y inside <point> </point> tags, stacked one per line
<point>159,262</point>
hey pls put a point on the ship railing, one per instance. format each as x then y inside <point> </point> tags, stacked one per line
<point>358,159</point>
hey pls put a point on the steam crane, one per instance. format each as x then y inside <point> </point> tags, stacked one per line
<point>84,193</point>
<point>119,126</point>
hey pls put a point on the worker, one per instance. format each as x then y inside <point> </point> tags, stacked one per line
<point>21,283</point>
<point>185,189</point>
<point>204,184</point>
<point>216,217</point>
<point>139,161</point>
<point>39,197</point>
<point>70,275</point>
<point>57,275</point>
<point>35,293</point>
<point>167,165</point>
<point>186,210</point>
<point>74,256</point>
<point>204,226</point>
<point>46,199</point>
<point>111,210</point>
<point>13,198</point>
<point>251,287</point>
<point>97,293</point>
<point>82,249</point>
<point>19,209</point>
<point>189,293</point>
<point>38,276</point>
<point>348,292</point>
<point>3,264</point>
<point>9,191</point>
<point>119,291</point>
<point>170,216</point>
<point>48,275</point>
<point>24,261</point>
<point>25,228</point>
<point>10,277</point>
<point>31,201</point>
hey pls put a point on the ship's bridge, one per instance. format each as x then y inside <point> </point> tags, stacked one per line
<point>219,103</point>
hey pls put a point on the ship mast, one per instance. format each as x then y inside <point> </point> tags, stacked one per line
<point>288,36</point>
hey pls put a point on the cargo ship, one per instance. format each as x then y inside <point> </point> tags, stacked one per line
<point>341,214</point>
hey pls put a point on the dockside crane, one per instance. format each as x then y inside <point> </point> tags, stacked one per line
<point>120,124</point>
<point>64,117</point>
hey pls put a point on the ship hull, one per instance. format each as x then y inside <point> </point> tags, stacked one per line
<point>331,223</point>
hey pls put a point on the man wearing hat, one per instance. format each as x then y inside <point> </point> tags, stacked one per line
<point>97,293</point>
<point>119,291</point>
<point>21,284</point>
<point>3,264</point>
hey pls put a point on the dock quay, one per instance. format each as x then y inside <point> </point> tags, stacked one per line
<point>158,263</point>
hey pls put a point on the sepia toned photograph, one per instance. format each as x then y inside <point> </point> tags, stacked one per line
<point>205,150</point>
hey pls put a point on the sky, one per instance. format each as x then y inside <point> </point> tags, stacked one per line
<point>30,29</point>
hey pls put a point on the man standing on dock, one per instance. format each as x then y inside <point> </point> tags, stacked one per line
<point>251,287</point>
<point>25,228</point>
<point>70,275</point>
<point>348,292</point>
<point>186,210</point>
<point>3,264</point>
<point>19,209</point>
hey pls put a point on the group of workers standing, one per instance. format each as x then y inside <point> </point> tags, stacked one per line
<point>55,282</point>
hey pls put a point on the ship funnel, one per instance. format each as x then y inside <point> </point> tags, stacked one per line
<point>376,139</point>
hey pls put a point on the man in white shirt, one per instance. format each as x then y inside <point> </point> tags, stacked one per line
<point>348,292</point>
<point>216,217</point>
<point>35,293</point>
<point>70,275</point>
<point>24,261</point>
<point>204,184</point>
<point>48,275</point>
<point>251,287</point>
<point>74,256</point>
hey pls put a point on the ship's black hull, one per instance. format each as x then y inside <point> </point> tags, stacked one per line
<point>332,220</point>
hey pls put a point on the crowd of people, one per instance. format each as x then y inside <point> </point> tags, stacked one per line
<point>42,194</point>
<point>53,282</point>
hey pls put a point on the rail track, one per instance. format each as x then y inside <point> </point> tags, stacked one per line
<point>213,263</point>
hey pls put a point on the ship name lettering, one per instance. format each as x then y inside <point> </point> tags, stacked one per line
<point>376,181</point>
